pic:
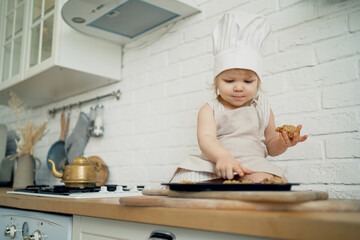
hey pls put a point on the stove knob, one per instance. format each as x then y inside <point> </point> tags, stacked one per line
<point>10,231</point>
<point>133,189</point>
<point>119,189</point>
<point>103,189</point>
<point>25,231</point>
<point>37,236</point>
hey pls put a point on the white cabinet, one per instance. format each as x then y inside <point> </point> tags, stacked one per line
<point>90,228</point>
<point>43,60</point>
<point>12,39</point>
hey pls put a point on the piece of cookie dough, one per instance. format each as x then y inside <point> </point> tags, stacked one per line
<point>289,129</point>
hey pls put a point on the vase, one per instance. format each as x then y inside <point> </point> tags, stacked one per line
<point>25,171</point>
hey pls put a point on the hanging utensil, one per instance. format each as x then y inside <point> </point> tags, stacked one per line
<point>92,121</point>
<point>75,144</point>
<point>57,150</point>
<point>98,124</point>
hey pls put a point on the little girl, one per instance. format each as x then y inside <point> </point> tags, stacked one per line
<point>236,130</point>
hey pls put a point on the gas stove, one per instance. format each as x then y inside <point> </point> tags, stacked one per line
<point>60,191</point>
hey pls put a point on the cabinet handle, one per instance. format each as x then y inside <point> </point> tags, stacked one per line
<point>161,235</point>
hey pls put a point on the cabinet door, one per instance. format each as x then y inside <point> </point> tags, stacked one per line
<point>90,228</point>
<point>12,35</point>
<point>41,31</point>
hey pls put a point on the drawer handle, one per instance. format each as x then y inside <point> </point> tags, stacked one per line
<point>161,235</point>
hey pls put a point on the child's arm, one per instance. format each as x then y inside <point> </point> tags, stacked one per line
<point>226,164</point>
<point>278,143</point>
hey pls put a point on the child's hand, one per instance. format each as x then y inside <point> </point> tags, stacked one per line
<point>284,139</point>
<point>226,166</point>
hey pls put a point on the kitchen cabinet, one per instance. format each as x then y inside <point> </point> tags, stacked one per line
<point>43,60</point>
<point>86,228</point>
<point>12,34</point>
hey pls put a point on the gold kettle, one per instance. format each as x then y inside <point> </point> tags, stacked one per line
<point>80,173</point>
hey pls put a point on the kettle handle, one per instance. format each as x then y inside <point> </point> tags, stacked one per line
<point>97,166</point>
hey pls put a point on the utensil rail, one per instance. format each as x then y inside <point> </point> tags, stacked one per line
<point>116,94</point>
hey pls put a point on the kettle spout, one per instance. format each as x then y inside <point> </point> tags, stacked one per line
<point>55,172</point>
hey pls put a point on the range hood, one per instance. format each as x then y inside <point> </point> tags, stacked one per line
<point>122,21</point>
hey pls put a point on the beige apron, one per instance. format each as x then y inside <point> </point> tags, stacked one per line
<point>240,132</point>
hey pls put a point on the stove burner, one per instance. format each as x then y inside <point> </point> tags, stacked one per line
<point>62,190</point>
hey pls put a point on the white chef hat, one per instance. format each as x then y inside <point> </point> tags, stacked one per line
<point>239,41</point>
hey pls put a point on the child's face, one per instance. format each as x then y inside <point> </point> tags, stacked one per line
<point>237,87</point>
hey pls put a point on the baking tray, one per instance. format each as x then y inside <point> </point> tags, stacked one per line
<point>195,187</point>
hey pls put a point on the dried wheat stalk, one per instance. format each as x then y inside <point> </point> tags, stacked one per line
<point>29,135</point>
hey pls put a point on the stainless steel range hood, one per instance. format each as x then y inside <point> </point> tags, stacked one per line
<point>121,21</point>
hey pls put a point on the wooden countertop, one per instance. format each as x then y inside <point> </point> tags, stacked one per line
<point>285,225</point>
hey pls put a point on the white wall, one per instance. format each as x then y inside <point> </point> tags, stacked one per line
<point>312,66</point>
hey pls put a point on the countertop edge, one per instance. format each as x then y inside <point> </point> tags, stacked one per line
<point>329,225</point>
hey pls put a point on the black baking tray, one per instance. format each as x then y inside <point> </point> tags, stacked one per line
<point>196,187</point>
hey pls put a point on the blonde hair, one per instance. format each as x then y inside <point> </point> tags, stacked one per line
<point>216,80</point>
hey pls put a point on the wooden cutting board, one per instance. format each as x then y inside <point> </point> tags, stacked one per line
<point>103,173</point>
<point>310,206</point>
<point>250,196</point>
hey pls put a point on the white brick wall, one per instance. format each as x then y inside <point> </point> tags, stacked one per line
<point>312,66</point>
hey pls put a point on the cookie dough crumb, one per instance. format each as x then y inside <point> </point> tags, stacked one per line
<point>289,129</point>
<point>273,180</point>
<point>237,182</point>
<point>186,182</point>
<point>265,181</point>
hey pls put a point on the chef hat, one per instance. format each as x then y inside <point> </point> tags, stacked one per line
<point>239,41</point>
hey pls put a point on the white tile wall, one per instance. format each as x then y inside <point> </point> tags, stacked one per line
<point>312,66</point>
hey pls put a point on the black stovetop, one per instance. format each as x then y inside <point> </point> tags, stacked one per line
<point>62,190</point>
